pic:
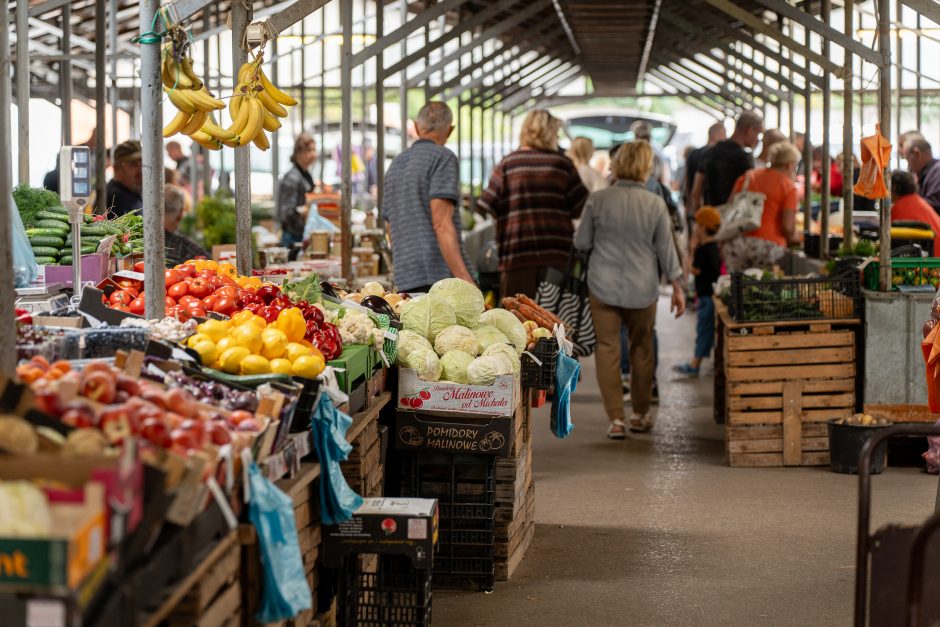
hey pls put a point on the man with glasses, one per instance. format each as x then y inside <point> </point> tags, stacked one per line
<point>727,160</point>
<point>420,205</point>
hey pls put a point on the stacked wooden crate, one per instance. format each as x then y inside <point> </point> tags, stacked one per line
<point>515,498</point>
<point>780,383</point>
<point>363,468</point>
<point>215,598</point>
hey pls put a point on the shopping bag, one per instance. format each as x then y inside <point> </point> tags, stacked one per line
<point>285,592</point>
<point>565,294</point>
<point>743,214</point>
<point>329,425</point>
<point>876,154</point>
<point>25,269</point>
<point>566,381</point>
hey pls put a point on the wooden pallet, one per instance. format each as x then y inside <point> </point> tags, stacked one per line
<point>777,382</point>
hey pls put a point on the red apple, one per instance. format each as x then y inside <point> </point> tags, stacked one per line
<point>219,434</point>
<point>127,384</point>
<point>196,426</point>
<point>157,432</point>
<point>180,401</point>
<point>184,440</point>
<point>239,416</point>
<point>249,425</point>
<point>80,415</point>
<point>99,387</point>
<point>155,397</point>
<point>115,424</point>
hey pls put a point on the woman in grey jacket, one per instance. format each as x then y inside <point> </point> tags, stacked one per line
<point>629,234</point>
<point>292,203</point>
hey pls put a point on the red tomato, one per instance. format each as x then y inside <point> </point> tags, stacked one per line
<point>178,290</point>
<point>216,282</point>
<point>172,311</point>
<point>206,274</point>
<point>209,301</point>
<point>227,280</point>
<point>200,288</point>
<point>225,305</point>
<point>172,277</point>
<point>169,302</point>
<point>185,299</point>
<point>187,269</point>
<point>120,297</point>
<point>197,312</point>
<point>137,305</point>
<point>132,291</point>
<point>139,266</point>
<point>227,290</point>
<point>182,314</point>
<point>121,308</point>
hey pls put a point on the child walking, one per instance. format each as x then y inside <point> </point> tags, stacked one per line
<point>706,267</point>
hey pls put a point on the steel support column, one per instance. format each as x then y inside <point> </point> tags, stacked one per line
<point>100,104</point>
<point>22,91</point>
<point>848,144</point>
<point>403,82</point>
<point>65,75</point>
<point>240,18</point>
<point>807,146</point>
<point>113,48</point>
<point>826,174</point>
<point>884,114</point>
<point>7,294</point>
<point>275,147</point>
<point>346,20</point>
<point>151,103</point>
<point>379,114</point>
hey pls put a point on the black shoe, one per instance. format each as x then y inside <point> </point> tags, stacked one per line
<point>654,397</point>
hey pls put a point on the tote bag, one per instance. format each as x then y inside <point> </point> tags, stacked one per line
<point>565,294</point>
<point>743,214</point>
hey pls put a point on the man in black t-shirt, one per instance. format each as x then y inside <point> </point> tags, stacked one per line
<point>724,162</point>
<point>123,193</point>
<point>693,165</point>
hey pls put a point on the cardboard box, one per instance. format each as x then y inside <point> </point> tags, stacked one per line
<point>499,399</point>
<point>445,434</point>
<point>91,304</point>
<point>95,268</point>
<point>401,526</point>
<point>73,549</point>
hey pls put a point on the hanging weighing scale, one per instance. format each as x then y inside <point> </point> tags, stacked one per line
<point>75,190</point>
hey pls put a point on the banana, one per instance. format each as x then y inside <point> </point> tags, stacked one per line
<point>187,67</point>
<point>204,101</point>
<point>196,122</point>
<point>271,123</point>
<point>234,104</point>
<point>248,70</point>
<point>269,103</point>
<point>178,76</point>
<point>261,141</point>
<point>239,122</point>
<point>255,119</point>
<point>179,121</point>
<point>275,93</point>
<point>180,100</point>
<point>214,130</point>
<point>206,141</point>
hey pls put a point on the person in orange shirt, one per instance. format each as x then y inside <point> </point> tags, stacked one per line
<point>763,247</point>
<point>907,205</point>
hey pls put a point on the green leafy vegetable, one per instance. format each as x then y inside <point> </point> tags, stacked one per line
<point>31,200</point>
<point>307,289</point>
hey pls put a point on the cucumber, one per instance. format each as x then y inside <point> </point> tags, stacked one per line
<point>87,240</point>
<point>65,261</point>
<point>41,232</point>
<point>60,210</point>
<point>46,261</point>
<point>87,250</point>
<point>87,218</point>
<point>45,251</point>
<point>52,215</point>
<point>47,240</point>
<point>62,227</point>
<point>96,229</point>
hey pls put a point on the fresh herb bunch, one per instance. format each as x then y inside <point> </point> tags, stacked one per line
<point>32,200</point>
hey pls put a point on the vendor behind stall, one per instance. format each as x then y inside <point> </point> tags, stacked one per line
<point>908,206</point>
<point>179,248</point>
<point>292,202</point>
<point>123,193</point>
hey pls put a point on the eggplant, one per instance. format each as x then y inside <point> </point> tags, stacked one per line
<point>379,305</point>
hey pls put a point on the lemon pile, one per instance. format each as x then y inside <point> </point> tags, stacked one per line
<point>247,345</point>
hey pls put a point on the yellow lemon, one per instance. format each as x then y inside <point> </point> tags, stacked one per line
<point>231,360</point>
<point>198,337</point>
<point>207,351</point>
<point>295,350</point>
<point>308,366</point>
<point>224,344</point>
<point>255,364</point>
<point>247,335</point>
<point>280,366</point>
<point>215,329</point>
<point>274,343</point>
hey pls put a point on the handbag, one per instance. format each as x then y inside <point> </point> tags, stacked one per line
<point>565,294</point>
<point>743,214</point>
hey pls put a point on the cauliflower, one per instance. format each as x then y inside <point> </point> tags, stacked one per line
<point>356,327</point>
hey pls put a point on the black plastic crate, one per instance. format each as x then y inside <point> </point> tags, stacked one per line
<point>792,298</point>
<point>395,594</point>
<point>536,376</point>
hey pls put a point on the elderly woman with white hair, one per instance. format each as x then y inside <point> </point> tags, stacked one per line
<point>534,193</point>
<point>628,232</point>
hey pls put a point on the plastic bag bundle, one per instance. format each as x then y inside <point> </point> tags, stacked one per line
<point>285,590</point>
<point>329,425</point>
<point>25,269</point>
<point>566,381</point>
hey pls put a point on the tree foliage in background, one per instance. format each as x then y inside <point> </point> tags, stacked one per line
<point>213,221</point>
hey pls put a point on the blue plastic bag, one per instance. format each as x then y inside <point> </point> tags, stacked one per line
<point>329,425</point>
<point>566,381</point>
<point>285,592</point>
<point>25,269</point>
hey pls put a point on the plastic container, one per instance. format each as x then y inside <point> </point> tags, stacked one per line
<point>396,594</point>
<point>540,377</point>
<point>845,445</point>
<point>793,298</point>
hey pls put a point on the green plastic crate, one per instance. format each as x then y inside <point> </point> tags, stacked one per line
<point>356,364</point>
<point>915,265</point>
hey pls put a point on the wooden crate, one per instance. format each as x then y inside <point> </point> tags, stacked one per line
<point>215,598</point>
<point>509,554</point>
<point>778,383</point>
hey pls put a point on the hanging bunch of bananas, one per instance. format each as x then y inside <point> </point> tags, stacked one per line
<point>257,105</point>
<point>194,104</point>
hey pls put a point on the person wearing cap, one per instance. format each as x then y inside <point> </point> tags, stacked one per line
<point>706,268</point>
<point>123,193</point>
<point>763,247</point>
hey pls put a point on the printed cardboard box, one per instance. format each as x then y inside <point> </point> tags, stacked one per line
<point>459,436</point>
<point>499,399</point>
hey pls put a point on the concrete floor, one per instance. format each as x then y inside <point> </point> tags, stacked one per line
<point>658,530</point>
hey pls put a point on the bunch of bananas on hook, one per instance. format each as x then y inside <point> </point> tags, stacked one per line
<point>257,105</point>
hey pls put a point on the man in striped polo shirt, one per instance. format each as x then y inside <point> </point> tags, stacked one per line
<point>420,206</point>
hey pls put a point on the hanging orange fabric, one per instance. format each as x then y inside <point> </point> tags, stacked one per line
<point>876,154</point>
<point>930,348</point>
